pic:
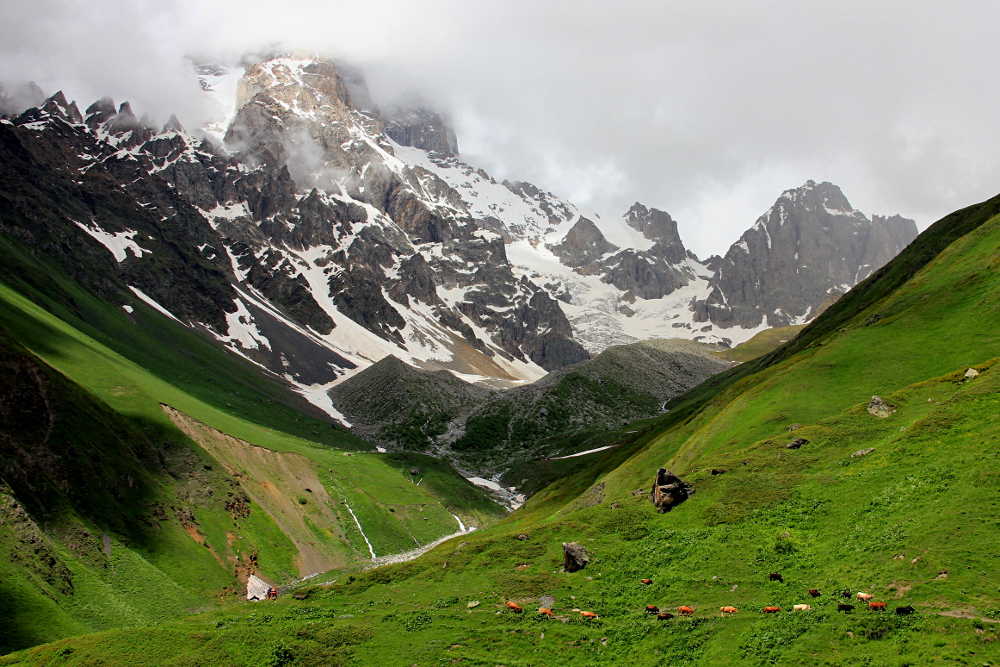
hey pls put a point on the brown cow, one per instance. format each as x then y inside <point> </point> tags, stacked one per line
<point>646,581</point>
<point>772,610</point>
<point>814,593</point>
<point>546,612</point>
<point>728,610</point>
<point>664,615</point>
<point>876,606</point>
<point>865,597</point>
<point>685,611</point>
<point>652,609</point>
<point>514,607</point>
<point>587,614</point>
<point>774,576</point>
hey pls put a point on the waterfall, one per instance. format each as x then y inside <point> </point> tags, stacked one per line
<point>360,529</point>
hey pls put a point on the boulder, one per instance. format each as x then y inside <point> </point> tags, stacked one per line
<point>575,556</point>
<point>971,373</point>
<point>795,444</point>
<point>880,408</point>
<point>669,490</point>
<point>862,452</point>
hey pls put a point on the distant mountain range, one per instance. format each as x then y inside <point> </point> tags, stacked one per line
<point>315,233</point>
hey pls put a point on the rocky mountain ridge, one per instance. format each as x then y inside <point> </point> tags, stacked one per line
<point>316,242</point>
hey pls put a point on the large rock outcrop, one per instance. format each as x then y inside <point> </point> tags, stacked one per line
<point>811,245</point>
<point>669,491</point>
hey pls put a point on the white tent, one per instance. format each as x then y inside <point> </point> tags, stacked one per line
<point>257,588</point>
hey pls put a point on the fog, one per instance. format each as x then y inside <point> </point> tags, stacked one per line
<point>707,110</point>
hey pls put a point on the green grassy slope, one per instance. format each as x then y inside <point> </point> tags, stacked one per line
<point>167,539</point>
<point>913,522</point>
<point>174,354</point>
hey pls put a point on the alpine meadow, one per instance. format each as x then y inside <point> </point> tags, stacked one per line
<point>303,386</point>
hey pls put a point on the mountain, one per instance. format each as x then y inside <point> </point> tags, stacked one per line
<point>794,473</point>
<point>483,431</point>
<point>811,245</point>
<point>314,233</point>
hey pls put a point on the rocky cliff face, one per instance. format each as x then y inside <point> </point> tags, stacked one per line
<point>326,235</point>
<point>421,128</point>
<point>810,245</point>
<point>312,250</point>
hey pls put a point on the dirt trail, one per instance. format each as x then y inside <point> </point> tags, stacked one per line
<point>276,481</point>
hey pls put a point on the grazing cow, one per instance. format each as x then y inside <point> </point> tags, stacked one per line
<point>646,581</point>
<point>514,607</point>
<point>846,608</point>
<point>846,593</point>
<point>865,597</point>
<point>587,614</point>
<point>664,615</point>
<point>771,610</point>
<point>876,606</point>
<point>801,607</point>
<point>546,612</point>
<point>652,609</point>
<point>776,577</point>
<point>728,610</point>
<point>685,611</point>
<point>814,593</point>
<point>904,611</point>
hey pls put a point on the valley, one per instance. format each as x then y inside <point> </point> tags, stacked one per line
<point>310,344</point>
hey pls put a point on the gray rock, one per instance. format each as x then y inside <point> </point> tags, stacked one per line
<point>971,373</point>
<point>880,408</point>
<point>795,444</point>
<point>575,557</point>
<point>862,452</point>
<point>583,244</point>
<point>811,245</point>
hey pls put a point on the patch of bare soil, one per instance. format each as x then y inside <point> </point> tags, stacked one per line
<point>283,484</point>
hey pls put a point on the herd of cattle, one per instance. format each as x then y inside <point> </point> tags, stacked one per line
<point>684,610</point>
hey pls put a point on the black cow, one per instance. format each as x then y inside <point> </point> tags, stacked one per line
<point>904,611</point>
<point>776,577</point>
<point>846,608</point>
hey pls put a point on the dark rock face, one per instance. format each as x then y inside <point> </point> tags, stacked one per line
<point>644,274</point>
<point>584,243</point>
<point>575,556</point>
<point>669,491</point>
<point>657,225</point>
<point>810,245</point>
<point>420,128</point>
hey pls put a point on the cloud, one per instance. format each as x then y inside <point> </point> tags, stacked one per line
<point>705,109</point>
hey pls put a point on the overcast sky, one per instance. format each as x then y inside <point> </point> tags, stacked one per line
<point>705,109</point>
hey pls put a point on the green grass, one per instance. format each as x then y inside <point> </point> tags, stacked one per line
<point>762,343</point>
<point>162,572</point>
<point>914,522</point>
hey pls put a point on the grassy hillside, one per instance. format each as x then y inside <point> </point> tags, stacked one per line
<point>911,522</point>
<point>762,343</point>
<point>115,516</point>
<point>569,410</point>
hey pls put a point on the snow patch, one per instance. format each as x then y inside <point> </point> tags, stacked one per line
<point>150,302</point>
<point>119,243</point>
